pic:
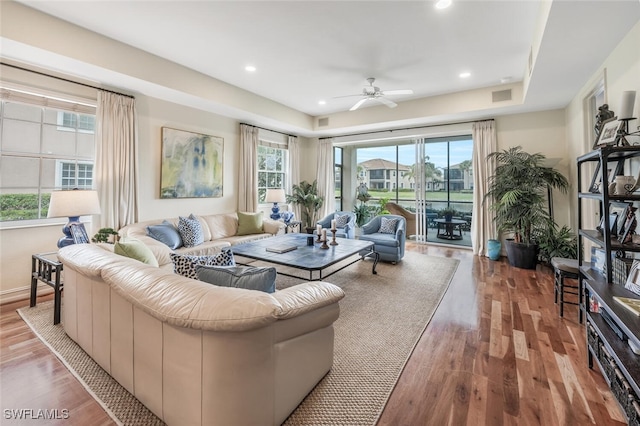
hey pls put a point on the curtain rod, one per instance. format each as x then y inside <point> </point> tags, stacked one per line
<point>269,130</point>
<point>66,79</point>
<point>409,128</point>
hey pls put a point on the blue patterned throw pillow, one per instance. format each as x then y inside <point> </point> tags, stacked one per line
<point>341,220</point>
<point>190,231</point>
<point>185,265</point>
<point>388,226</point>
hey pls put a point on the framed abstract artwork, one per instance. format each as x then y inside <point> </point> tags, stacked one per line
<point>192,164</point>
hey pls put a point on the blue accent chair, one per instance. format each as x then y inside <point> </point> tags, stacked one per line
<point>348,231</point>
<point>389,246</point>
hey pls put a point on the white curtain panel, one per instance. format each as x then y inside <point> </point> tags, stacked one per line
<point>248,169</point>
<point>482,225</point>
<point>326,176</point>
<point>116,172</point>
<point>294,171</point>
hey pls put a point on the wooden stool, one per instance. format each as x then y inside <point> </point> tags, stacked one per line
<point>567,268</point>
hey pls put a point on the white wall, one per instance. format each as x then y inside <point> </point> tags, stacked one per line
<point>622,72</point>
<point>542,132</point>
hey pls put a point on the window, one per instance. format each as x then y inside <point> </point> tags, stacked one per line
<point>74,175</point>
<point>43,147</point>
<point>80,122</point>
<point>337,159</point>
<point>272,169</point>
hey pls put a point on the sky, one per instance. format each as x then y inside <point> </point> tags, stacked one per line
<point>437,153</point>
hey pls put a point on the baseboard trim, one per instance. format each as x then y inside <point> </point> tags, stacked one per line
<point>22,293</point>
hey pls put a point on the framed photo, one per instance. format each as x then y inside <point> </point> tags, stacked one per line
<point>620,209</point>
<point>609,133</point>
<point>598,258</point>
<point>613,224</point>
<point>629,225</point>
<point>191,165</point>
<point>633,279</point>
<point>78,233</point>
<point>613,169</point>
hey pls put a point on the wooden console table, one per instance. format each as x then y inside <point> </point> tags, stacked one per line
<point>46,267</point>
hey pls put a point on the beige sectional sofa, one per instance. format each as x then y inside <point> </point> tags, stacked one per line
<point>195,353</point>
<point>220,230</point>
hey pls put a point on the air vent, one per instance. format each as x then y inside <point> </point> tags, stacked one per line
<point>322,122</point>
<point>501,95</point>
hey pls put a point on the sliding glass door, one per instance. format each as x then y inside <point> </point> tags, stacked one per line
<point>390,173</point>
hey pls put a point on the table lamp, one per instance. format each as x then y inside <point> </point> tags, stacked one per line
<point>275,196</point>
<point>72,204</point>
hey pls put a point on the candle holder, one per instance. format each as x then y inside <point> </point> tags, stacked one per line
<point>319,239</point>
<point>333,239</point>
<point>324,243</point>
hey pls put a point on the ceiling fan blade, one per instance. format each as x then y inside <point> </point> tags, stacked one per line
<point>387,102</point>
<point>357,105</point>
<point>398,92</point>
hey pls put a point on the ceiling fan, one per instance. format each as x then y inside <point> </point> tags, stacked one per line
<point>373,93</point>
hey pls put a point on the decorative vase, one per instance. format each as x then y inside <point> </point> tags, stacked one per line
<point>493,249</point>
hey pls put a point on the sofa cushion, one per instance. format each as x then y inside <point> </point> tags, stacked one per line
<point>249,223</point>
<point>135,249</point>
<point>341,220</point>
<point>247,277</point>
<point>388,226</point>
<point>165,233</point>
<point>190,231</point>
<point>185,265</point>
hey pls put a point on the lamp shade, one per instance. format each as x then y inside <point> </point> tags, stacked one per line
<point>73,203</point>
<point>275,195</point>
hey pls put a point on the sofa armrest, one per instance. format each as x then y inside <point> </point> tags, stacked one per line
<point>273,227</point>
<point>306,297</point>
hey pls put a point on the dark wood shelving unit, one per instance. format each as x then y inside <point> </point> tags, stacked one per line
<point>612,353</point>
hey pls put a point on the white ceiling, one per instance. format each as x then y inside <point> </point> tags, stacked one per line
<point>307,51</point>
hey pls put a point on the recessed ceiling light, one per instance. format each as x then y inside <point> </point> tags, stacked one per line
<point>250,68</point>
<point>443,4</point>
<point>321,102</point>
<point>465,74</point>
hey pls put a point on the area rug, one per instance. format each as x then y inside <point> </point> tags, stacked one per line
<point>381,319</point>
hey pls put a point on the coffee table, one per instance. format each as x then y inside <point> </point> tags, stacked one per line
<point>307,258</point>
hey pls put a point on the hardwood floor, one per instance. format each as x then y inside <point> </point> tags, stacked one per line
<point>496,352</point>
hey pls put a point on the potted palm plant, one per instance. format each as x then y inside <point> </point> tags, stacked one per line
<point>519,190</point>
<point>306,195</point>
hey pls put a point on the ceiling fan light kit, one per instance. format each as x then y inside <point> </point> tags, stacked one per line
<point>373,93</point>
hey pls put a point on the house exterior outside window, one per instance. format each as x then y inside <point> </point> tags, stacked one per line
<point>46,144</point>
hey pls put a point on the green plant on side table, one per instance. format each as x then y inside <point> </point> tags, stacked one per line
<point>105,235</point>
<point>518,192</point>
<point>306,196</point>
<point>447,213</point>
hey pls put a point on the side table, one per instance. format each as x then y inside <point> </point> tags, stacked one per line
<point>446,228</point>
<point>46,267</point>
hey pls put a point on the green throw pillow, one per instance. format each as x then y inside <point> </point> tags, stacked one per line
<point>249,223</point>
<point>135,249</point>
